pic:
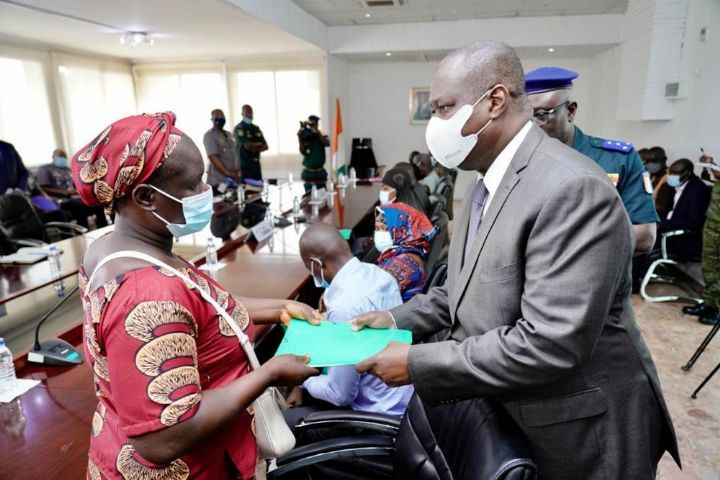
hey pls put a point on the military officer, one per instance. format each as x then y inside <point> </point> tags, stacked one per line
<point>312,147</point>
<point>250,142</point>
<point>549,90</point>
<point>221,151</point>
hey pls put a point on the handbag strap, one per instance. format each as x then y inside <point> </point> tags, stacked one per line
<point>244,340</point>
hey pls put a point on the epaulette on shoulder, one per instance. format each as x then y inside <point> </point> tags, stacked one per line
<point>612,145</point>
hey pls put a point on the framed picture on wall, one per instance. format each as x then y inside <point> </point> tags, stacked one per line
<point>419,105</point>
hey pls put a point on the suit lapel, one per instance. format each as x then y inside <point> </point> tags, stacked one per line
<point>508,183</point>
<point>457,242</point>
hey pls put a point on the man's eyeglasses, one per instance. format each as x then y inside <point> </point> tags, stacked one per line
<point>542,116</point>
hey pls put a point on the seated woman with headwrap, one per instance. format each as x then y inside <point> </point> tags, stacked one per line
<point>403,236</point>
<point>399,185</point>
<point>174,385</point>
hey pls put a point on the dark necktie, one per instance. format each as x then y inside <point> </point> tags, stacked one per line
<point>476,210</point>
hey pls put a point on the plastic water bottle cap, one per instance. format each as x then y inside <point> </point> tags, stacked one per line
<point>2,342</point>
<point>53,248</point>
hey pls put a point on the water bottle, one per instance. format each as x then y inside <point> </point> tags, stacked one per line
<point>241,195</point>
<point>290,179</point>
<point>330,186</point>
<point>265,191</point>
<point>353,175</point>
<point>7,368</point>
<point>56,270</point>
<point>211,258</point>
<point>296,206</point>
<point>314,193</point>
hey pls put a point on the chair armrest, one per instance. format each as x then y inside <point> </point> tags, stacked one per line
<point>27,242</point>
<point>350,418</point>
<point>68,226</point>
<point>334,449</point>
<point>665,235</point>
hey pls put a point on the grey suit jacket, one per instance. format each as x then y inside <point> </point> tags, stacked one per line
<point>541,321</point>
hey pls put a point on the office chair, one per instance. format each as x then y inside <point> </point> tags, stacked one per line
<point>440,220</point>
<point>446,191</point>
<point>21,225</point>
<point>666,261</point>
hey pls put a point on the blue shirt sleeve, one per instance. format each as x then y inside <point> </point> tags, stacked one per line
<point>638,202</point>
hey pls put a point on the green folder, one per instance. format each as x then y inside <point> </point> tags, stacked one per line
<point>331,344</point>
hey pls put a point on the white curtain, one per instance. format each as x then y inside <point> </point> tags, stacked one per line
<point>25,119</point>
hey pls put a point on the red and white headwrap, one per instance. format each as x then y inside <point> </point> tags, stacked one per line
<point>125,154</point>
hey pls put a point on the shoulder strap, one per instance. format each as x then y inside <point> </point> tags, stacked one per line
<point>244,340</point>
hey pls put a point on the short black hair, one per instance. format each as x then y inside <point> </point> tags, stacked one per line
<point>658,154</point>
<point>687,165</point>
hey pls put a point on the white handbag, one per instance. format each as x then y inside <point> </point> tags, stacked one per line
<point>274,437</point>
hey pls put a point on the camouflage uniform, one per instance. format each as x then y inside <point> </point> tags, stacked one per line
<point>711,250</point>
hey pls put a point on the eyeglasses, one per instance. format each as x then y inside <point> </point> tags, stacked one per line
<point>542,116</point>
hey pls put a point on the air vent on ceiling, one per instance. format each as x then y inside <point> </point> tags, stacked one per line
<point>381,3</point>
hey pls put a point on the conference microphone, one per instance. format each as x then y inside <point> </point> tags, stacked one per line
<point>55,351</point>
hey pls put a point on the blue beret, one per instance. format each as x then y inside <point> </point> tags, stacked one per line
<point>546,79</point>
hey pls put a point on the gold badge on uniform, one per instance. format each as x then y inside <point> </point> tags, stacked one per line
<point>614,178</point>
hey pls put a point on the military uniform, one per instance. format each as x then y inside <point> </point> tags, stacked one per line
<point>625,169</point>
<point>249,161</point>
<point>314,160</point>
<point>220,142</point>
<point>711,250</point>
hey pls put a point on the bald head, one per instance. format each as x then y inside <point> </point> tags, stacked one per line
<point>482,65</point>
<point>324,242</point>
<point>487,76</point>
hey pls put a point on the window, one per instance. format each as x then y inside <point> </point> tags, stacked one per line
<point>25,111</point>
<point>191,96</point>
<point>92,99</point>
<point>280,99</point>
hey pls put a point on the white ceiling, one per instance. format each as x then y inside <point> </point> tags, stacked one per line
<point>183,29</point>
<point>351,12</point>
<point>435,56</point>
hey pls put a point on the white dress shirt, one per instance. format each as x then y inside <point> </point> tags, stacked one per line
<point>678,193</point>
<point>497,170</point>
<point>359,288</point>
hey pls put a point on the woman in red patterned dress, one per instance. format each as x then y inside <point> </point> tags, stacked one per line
<point>174,384</point>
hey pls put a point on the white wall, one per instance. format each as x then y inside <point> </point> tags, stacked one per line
<point>696,118</point>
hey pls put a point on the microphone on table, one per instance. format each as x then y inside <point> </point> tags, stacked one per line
<point>55,351</point>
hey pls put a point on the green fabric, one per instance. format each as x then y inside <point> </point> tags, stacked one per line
<point>711,250</point>
<point>629,168</point>
<point>331,344</point>
<point>249,161</point>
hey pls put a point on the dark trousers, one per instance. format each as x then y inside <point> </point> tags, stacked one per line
<point>80,212</point>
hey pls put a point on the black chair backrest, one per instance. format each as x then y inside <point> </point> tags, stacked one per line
<point>439,242</point>
<point>446,190</point>
<point>18,218</point>
<point>465,440</point>
<point>437,277</point>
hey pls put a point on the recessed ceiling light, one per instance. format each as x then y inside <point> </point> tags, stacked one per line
<point>551,49</point>
<point>388,54</point>
<point>367,15</point>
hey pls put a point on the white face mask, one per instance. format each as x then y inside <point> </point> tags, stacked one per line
<point>384,197</point>
<point>383,240</point>
<point>445,140</point>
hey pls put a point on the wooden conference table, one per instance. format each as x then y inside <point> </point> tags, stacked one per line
<point>45,433</point>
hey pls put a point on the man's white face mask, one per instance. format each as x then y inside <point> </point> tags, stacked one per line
<point>444,137</point>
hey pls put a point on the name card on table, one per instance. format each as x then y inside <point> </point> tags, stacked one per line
<point>263,230</point>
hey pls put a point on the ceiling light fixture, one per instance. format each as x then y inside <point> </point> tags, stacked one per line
<point>551,49</point>
<point>368,15</point>
<point>388,54</point>
<point>136,38</point>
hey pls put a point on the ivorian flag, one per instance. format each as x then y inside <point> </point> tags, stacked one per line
<point>338,148</point>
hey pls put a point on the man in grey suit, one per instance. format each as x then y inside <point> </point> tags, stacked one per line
<point>537,299</point>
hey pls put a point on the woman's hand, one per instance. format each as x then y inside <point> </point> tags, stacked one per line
<point>301,311</point>
<point>288,370</point>
<point>295,398</point>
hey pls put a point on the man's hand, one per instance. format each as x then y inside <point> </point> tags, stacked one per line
<point>708,159</point>
<point>293,309</point>
<point>390,365</point>
<point>379,320</point>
